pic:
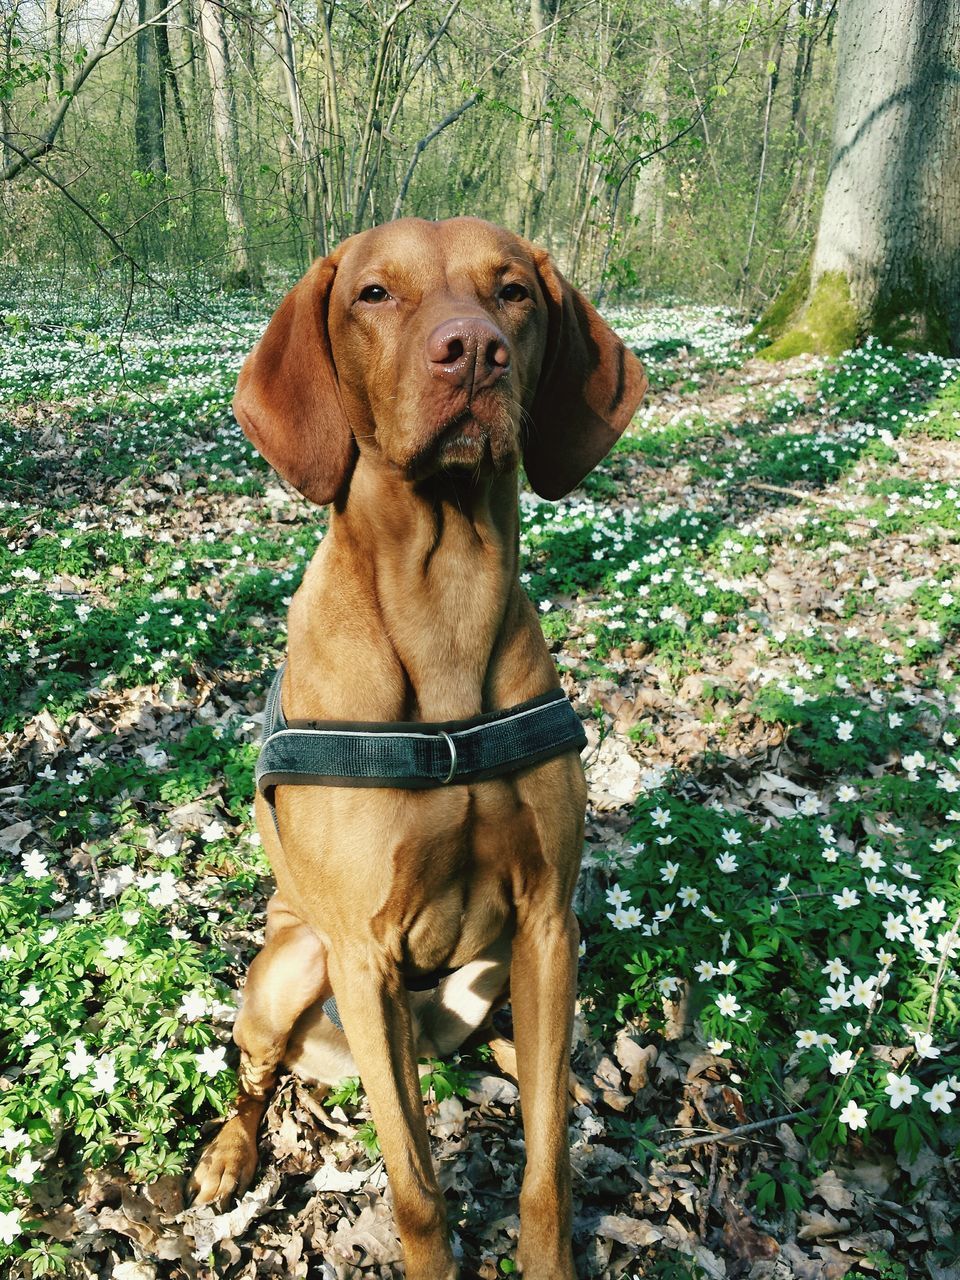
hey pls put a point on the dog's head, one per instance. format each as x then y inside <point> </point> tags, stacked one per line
<point>436,346</point>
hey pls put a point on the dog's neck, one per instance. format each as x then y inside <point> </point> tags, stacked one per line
<point>442,562</point>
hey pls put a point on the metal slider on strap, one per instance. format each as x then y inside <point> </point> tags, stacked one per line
<point>453,757</point>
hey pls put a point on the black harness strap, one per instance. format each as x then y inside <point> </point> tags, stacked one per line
<point>411,755</point>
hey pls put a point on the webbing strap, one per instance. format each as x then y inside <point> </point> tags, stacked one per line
<point>413,755</point>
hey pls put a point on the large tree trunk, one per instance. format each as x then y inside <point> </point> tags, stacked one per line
<point>887,257</point>
<point>240,272</point>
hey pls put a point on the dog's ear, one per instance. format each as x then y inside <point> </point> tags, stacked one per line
<point>287,399</point>
<point>589,388</point>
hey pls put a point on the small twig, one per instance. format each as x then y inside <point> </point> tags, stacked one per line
<point>728,1135</point>
<point>799,494</point>
<point>941,970</point>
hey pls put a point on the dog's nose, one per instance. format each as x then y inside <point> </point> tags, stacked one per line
<point>469,352</point>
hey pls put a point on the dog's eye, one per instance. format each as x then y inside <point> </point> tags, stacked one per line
<point>374,293</point>
<point>514,292</point>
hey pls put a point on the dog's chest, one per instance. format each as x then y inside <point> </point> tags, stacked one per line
<point>516,840</point>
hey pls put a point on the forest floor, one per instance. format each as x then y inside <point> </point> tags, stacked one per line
<point>754,604</point>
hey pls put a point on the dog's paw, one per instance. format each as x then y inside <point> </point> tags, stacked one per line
<point>227,1166</point>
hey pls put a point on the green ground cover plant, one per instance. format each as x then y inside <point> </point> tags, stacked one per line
<point>729,559</point>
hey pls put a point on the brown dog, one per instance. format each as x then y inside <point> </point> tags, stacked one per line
<point>402,380</point>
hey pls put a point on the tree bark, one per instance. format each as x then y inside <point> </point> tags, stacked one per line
<point>300,136</point>
<point>887,257</point>
<point>240,271</point>
<point>532,163</point>
<point>148,123</point>
<point>54,22</point>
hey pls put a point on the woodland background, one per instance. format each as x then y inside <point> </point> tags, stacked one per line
<point>658,149</point>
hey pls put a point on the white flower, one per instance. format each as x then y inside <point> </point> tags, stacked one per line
<point>731,835</point>
<point>862,991</point>
<point>668,872</point>
<point>894,928</point>
<point>660,817</point>
<point>900,1089</point>
<point>10,1139</point>
<point>194,1006</point>
<point>936,910</point>
<point>689,897</point>
<point>114,948</point>
<point>939,1097</point>
<point>924,1045</point>
<point>835,969</point>
<point>705,970</point>
<point>841,1063</point>
<point>164,893</point>
<point>718,1047</point>
<point>25,1170</point>
<point>104,1075</point>
<point>212,1061</point>
<point>848,898</point>
<point>806,1039</point>
<point>35,865</point>
<point>30,996</point>
<point>82,907</point>
<point>10,1225</point>
<point>844,731</point>
<point>837,997</point>
<point>667,986</point>
<point>726,863</point>
<point>853,1116</point>
<point>78,1061</point>
<point>728,1005</point>
<point>213,831</point>
<point>726,967</point>
<point>870,860</point>
<point>48,936</point>
<point>617,897</point>
<point>914,762</point>
<point>846,793</point>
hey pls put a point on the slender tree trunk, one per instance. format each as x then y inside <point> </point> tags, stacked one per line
<point>647,207</point>
<point>529,175</point>
<point>148,124</point>
<point>240,271</point>
<point>299,134</point>
<point>887,258</point>
<point>54,21</point>
<point>773,76</point>
<point>335,184</point>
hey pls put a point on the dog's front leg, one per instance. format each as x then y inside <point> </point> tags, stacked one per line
<point>285,978</point>
<point>542,990</point>
<point>375,1011</point>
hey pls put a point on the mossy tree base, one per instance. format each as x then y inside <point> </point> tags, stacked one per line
<point>823,323</point>
<point>827,322</point>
